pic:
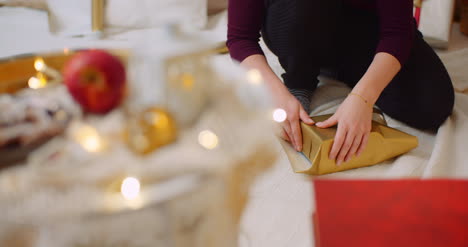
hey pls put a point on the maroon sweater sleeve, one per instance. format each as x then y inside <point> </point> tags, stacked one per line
<point>396,28</point>
<point>245,20</point>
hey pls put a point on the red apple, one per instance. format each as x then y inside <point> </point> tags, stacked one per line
<point>96,80</point>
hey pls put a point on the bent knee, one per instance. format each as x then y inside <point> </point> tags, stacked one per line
<point>432,116</point>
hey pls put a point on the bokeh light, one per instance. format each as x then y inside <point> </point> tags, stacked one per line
<point>254,76</point>
<point>208,139</point>
<point>39,64</point>
<point>130,188</point>
<point>89,139</point>
<point>36,83</point>
<point>279,115</point>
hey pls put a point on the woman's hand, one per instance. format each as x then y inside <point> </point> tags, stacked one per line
<point>283,99</point>
<point>354,119</point>
<point>295,113</point>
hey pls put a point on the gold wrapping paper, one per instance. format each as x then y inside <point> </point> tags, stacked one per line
<point>384,143</point>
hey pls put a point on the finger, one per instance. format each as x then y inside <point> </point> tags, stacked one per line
<point>337,142</point>
<point>332,121</point>
<point>350,136</point>
<point>287,129</point>
<point>305,117</point>
<point>297,134</point>
<point>284,136</point>
<point>363,144</point>
<point>352,151</point>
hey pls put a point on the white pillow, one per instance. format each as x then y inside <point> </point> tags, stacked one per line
<point>154,13</point>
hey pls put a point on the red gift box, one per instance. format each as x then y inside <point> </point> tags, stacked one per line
<point>391,213</point>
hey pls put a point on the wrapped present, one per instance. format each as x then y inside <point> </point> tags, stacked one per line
<point>384,143</point>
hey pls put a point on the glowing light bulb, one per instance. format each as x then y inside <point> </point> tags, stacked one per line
<point>208,139</point>
<point>254,76</point>
<point>92,144</point>
<point>89,139</point>
<point>39,64</point>
<point>130,188</point>
<point>279,115</point>
<point>34,83</point>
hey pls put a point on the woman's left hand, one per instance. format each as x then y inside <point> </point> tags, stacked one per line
<point>354,119</point>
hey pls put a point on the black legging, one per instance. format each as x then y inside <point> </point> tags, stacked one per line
<point>330,35</point>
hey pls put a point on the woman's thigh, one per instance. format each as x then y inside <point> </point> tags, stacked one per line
<point>302,35</point>
<point>422,93</point>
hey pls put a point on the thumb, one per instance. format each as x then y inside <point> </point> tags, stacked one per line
<point>332,121</point>
<point>305,117</point>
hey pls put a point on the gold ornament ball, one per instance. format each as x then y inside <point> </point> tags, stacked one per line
<point>152,129</point>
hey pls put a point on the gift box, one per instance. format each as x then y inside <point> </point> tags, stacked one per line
<point>434,19</point>
<point>384,143</point>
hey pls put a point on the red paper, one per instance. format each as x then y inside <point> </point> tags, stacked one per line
<point>392,213</point>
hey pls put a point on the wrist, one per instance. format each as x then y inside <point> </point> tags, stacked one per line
<point>368,93</point>
<point>276,86</point>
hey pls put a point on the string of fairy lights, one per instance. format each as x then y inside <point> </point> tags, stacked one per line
<point>89,138</point>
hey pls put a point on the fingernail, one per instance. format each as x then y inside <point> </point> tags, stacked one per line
<point>338,163</point>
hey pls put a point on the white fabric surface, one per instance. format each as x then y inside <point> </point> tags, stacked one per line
<point>281,203</point>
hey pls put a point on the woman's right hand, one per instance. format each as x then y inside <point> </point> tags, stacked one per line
<point>283,99</point>
<point>295,113</point>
